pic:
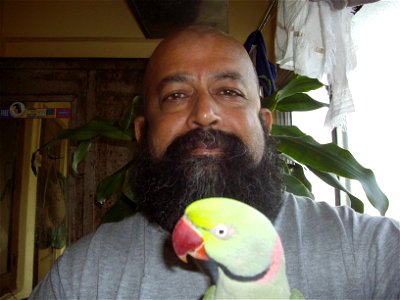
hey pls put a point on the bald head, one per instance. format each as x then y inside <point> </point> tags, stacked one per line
<point>196,38</point>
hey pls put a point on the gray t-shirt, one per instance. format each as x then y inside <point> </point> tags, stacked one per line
<point>331,253</point>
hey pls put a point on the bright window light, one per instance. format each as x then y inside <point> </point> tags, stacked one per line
<point>373,130</point>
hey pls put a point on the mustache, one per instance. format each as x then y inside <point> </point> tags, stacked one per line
<point>164,187</point>
<point>228,143</point>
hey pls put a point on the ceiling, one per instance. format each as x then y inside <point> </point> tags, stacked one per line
<point>159,18</point>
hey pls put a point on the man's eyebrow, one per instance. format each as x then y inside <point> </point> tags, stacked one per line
<point>180,77</point>
<point>184,77</point>
<point>232,75</point>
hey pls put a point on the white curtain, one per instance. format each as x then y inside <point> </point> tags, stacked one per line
<point>313,39</point>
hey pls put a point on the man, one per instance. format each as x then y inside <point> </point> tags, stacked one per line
<point>203,134</point>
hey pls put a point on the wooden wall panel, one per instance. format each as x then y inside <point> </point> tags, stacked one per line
<point>96,87</point>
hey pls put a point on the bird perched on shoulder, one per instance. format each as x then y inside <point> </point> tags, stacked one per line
<point>242,242</point>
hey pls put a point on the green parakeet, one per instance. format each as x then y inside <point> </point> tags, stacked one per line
<point>241,241</point>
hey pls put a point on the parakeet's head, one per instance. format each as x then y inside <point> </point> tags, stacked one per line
<point>240,239</point>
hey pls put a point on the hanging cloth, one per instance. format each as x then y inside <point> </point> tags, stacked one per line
<point>266,70</point>
<point>314,40</point>
<point>341,4</point>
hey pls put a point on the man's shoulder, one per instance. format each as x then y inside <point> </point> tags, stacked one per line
<point>307,223</point>
<point>118,237</point>
<point>118,232</point>
<point>330,249</point>
<point>303,211</point>
<point>308,212</point>
<point>107,264</point>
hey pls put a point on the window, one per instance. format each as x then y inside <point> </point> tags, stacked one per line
<point>373,130</point>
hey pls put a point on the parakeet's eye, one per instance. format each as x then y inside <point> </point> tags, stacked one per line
<point>222,231</point>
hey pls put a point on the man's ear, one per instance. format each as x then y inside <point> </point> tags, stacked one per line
<point>139,128</point>
<point>267,116</point>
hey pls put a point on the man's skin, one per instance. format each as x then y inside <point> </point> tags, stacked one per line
<point>207,82</point>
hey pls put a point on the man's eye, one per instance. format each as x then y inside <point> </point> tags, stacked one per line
<point>174,97</point>
<point>230,93</point>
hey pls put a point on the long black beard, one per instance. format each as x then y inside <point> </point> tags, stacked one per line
<point>165,187</point>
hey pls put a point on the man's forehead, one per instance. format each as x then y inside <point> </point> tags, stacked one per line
<point>197,33</point>
<point>184,77</point>
<point>191,39</point>
<point>201,43</point>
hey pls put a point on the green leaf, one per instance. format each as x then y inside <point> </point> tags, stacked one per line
<point>329,158</point>
<point>126,122</point>
<point>127,187</point>
<point>267,82</point>
<point>58,236</point>
<point>297,84</point>
<point>299,102</point>
<point>91,130</point>
<point>332,180</point>
<point>104,128</point>
<point>120,210</point>
<point>115,183</point>
<point>138,105</point>
<point>297,171</point>
<point>110,185</point>
<point>295,186</point>
<point>269,102</point>
<point>286,130</point>
<point>284,166</point>
<point>94,128</point>
<point>79,154</point>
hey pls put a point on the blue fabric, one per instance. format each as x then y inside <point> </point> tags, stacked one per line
<point>266,70</point>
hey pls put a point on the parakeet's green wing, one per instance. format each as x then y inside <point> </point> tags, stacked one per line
<point>210,293</point>
<point>296,294</point>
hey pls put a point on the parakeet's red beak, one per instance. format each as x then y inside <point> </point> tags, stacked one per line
<point>187,240</point>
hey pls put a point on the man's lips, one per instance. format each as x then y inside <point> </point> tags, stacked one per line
<point>205,148</point>
<point>206,151</point>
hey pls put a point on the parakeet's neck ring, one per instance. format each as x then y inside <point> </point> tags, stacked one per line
<point>243,278</point>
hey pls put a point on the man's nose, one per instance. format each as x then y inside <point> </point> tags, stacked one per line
<point>204,113</point>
